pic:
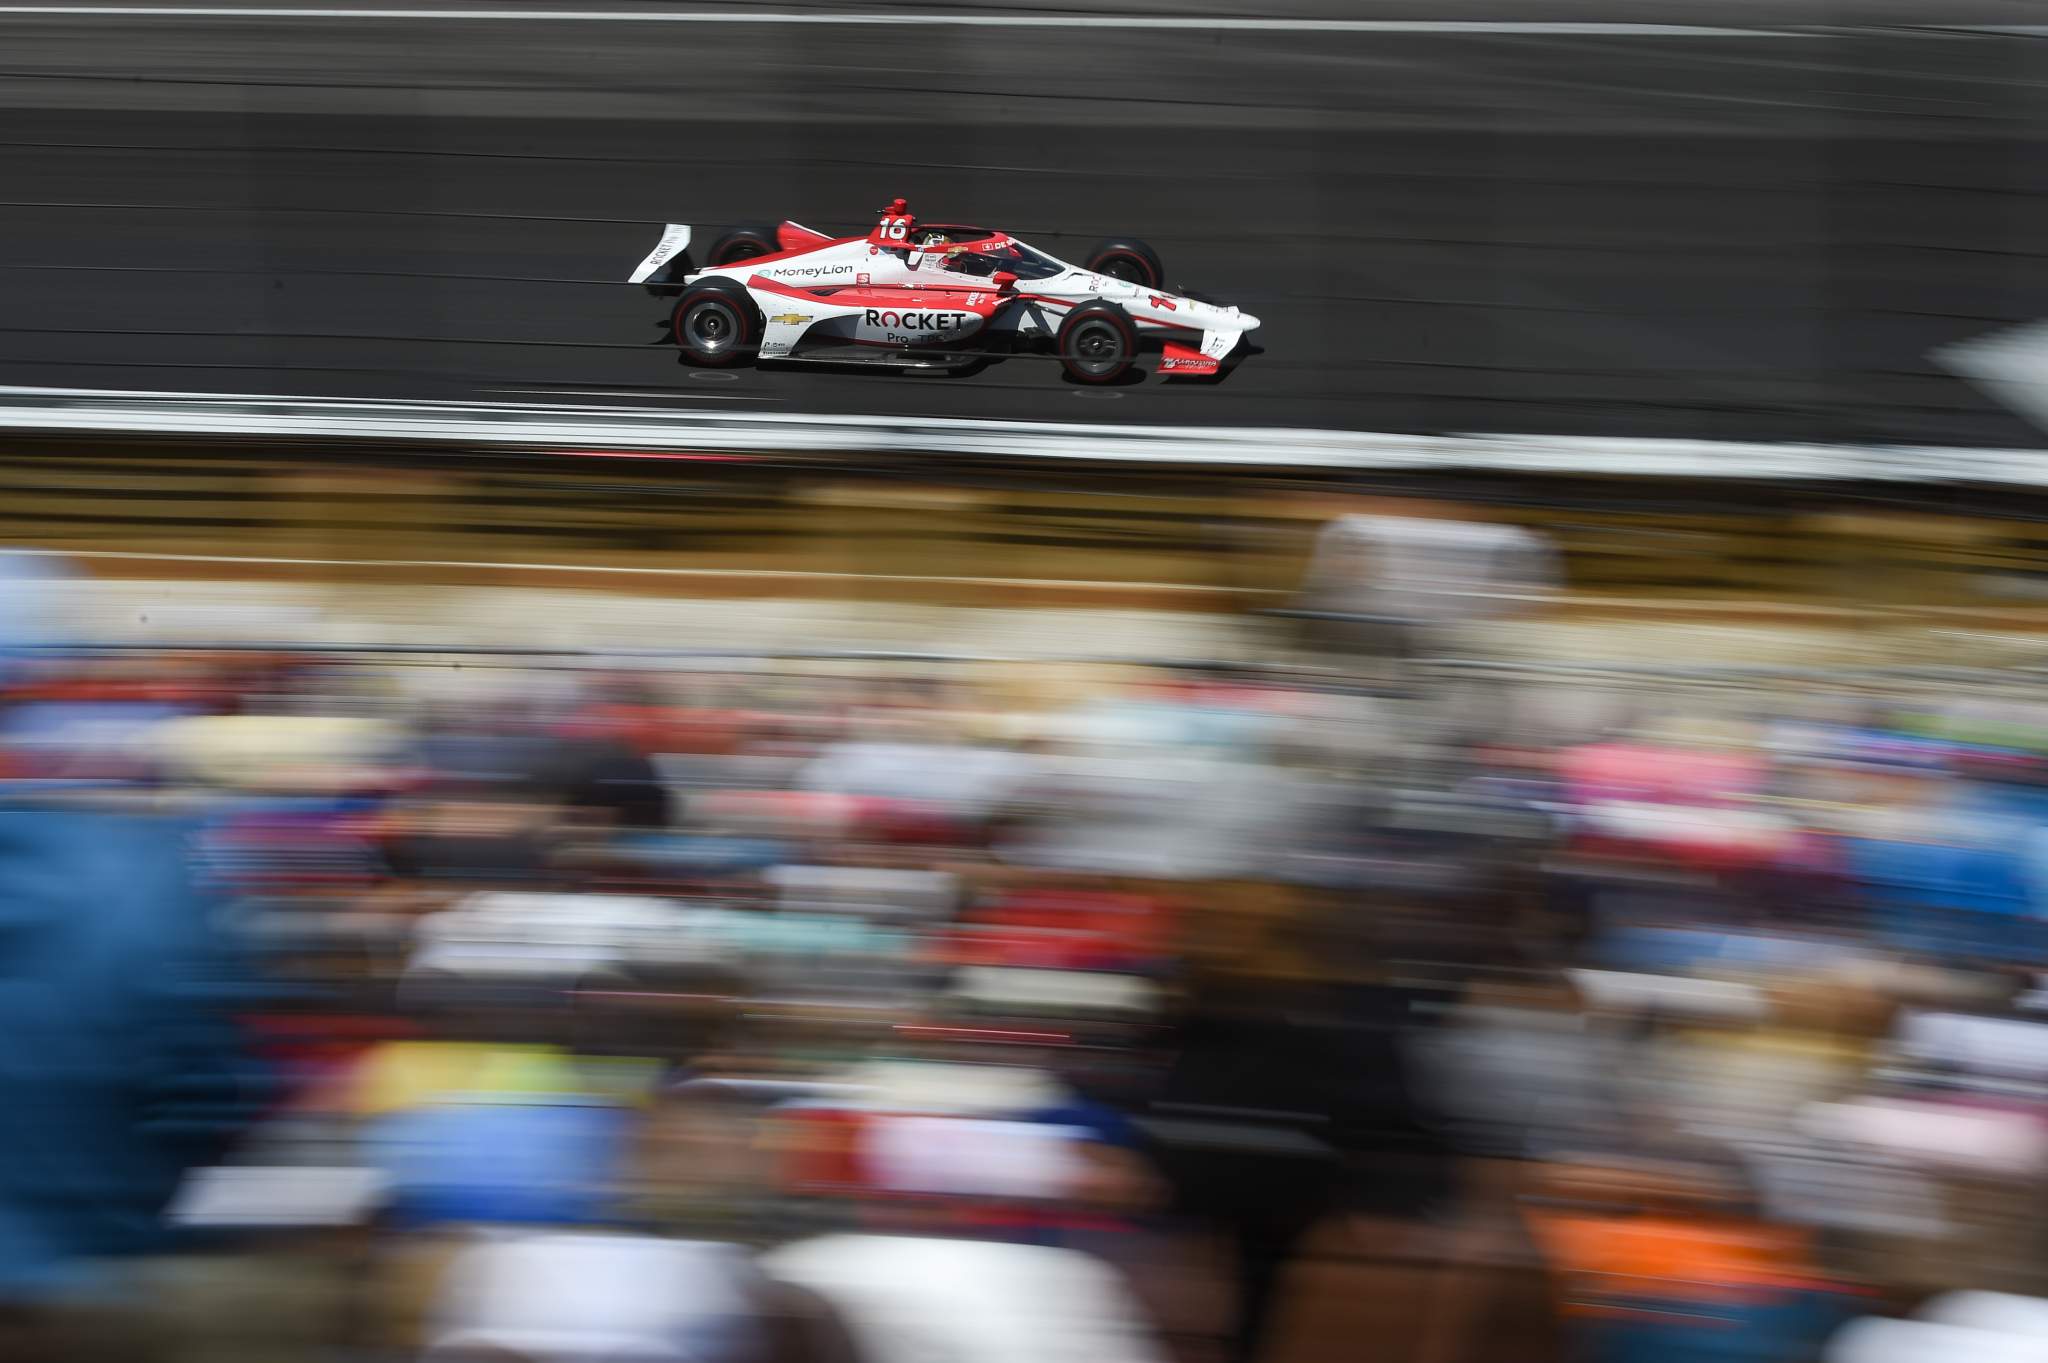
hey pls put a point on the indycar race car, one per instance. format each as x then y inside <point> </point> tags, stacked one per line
<point>931,296</point>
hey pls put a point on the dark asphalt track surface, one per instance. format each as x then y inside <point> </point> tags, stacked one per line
<point>1727,237</point>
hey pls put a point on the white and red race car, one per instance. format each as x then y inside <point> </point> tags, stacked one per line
<point>932,296</point>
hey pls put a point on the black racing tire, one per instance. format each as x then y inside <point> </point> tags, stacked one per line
<point>1097,343</point>
<point>716,324</point>
<point>744,243</point>
<point>1128,259</point>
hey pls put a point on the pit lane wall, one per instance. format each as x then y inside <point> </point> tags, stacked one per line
<point>810,521</point>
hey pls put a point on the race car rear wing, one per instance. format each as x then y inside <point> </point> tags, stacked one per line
<point>671,250</point>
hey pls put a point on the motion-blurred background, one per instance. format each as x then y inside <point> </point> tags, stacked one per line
<point>1512,828</point>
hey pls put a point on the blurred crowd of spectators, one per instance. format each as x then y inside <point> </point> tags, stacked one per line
<point>865,1010</point>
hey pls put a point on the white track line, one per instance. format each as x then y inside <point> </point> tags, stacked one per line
<point>1196,24</point>
<point>666,432</point>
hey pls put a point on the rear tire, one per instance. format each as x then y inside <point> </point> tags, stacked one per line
<point>744,243</point>
<point>1097,343</point>
<point>1130,260</point>
<point>716,324</point>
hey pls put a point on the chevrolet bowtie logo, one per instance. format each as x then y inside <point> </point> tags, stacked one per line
<point>790,319</point>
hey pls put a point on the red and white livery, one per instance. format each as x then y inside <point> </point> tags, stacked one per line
<point>933,295</point>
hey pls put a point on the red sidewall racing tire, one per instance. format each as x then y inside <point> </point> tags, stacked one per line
<point>1130,259</point>
<point>715,323</point>
<point>744,243</point>
<point>1083,335</point>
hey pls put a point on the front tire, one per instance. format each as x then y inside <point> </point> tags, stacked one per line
<point>1097,343</point>
<point>716,324</point>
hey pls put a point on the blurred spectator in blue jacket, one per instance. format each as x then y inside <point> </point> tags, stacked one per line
<point>120,1063</point>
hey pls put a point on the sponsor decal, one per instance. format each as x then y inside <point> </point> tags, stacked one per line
<point>804,271</point>
<point>914,320</point>
<point>790,319</point>
<point>861,278</point>
<point>1171,362</point>
<point>1159,302</point>
<point>974,300</point>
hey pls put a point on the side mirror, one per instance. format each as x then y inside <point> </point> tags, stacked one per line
<point>1005,281</point>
